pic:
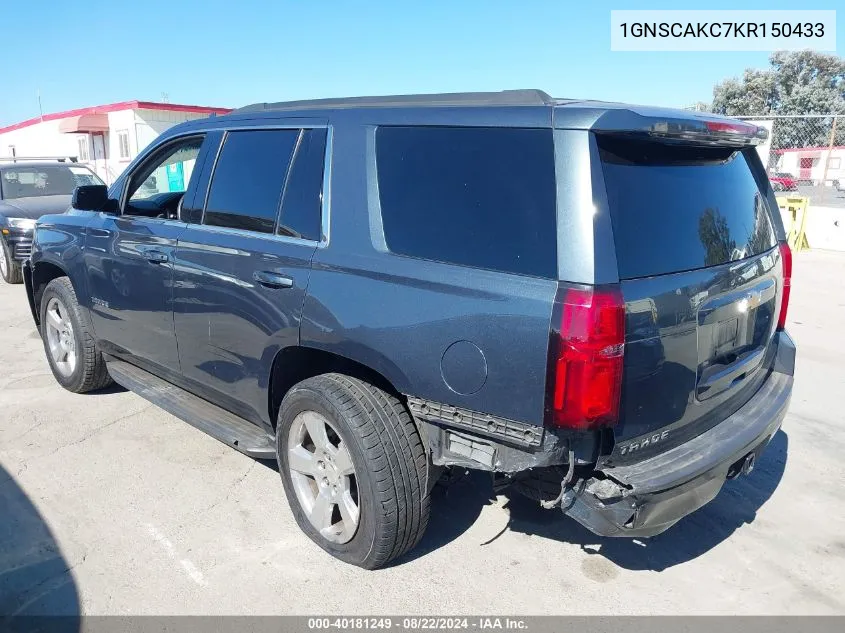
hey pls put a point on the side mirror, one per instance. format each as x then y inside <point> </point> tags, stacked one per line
<point>90,198</point>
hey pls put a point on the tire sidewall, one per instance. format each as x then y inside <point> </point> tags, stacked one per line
<point>358,549</point>
<point>59,291</point>
<point>9,277</point>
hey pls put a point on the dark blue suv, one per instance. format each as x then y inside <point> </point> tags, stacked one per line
<point>586,299</point>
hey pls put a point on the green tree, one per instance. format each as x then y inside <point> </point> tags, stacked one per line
<point>797,82</point>
<point>715,236</point>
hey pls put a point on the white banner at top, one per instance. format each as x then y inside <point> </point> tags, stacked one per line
<point>722,30</point>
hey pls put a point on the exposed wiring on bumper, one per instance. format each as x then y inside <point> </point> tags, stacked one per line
<point>548,505</point>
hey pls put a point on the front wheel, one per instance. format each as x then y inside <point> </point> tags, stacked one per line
<point>74,359</point>
<point>354,469</point>
<point>10,269</point>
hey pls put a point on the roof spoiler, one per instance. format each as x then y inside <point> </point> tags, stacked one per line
<point>24,159</point>
<point>708,132</point>
<point>674,126</point>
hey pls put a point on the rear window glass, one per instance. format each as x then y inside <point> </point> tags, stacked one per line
<point>480,197</point>
<point>677,208</point>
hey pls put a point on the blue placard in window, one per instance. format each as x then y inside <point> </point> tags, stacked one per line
<point>175,177</point>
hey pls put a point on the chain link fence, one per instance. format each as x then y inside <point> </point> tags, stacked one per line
<point>805,156</point>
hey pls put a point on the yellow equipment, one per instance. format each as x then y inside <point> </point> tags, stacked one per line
<point>794,211</point>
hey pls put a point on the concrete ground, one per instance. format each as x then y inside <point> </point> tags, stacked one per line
<point>111,506</point>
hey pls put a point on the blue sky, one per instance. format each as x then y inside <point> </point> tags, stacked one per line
<point>229,53</point>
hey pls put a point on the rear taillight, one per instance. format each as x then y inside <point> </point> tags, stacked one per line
<point>786,264</point>
<point>586,360</point>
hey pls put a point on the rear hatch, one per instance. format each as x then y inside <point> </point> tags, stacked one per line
<point>700,274</point>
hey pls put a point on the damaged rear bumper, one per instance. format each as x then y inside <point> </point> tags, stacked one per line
<point>648,497</point>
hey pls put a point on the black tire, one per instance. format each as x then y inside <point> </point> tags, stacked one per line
<point>390,460</point>
<point>90,372</point>
<point>11,269</point>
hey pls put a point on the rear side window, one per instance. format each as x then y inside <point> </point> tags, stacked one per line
<point>302,201</point>
<point>677,208</point>
<point>247,183</point>
<point>480,197</point>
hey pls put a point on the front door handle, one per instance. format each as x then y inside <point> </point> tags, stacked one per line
<point>156,257</point>
<point>272,280</point>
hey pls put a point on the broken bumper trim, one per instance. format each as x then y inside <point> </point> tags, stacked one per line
<point>648,497</point>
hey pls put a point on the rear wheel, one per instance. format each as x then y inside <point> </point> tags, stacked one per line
<point>10,269</point>
<point>354,469</point>
<point>74,359</point>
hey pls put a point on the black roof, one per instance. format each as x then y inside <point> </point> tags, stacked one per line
<point>520,108</point>
<point>503,98</point>
<point>23,162</point>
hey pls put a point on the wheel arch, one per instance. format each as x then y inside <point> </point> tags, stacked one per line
<point>36,279</point>
<point>296,363</point>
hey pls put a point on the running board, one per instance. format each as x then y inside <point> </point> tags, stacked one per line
<point>209,418</point>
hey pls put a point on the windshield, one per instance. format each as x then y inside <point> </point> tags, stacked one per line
<point>30,181</point>
<point>84,176</point>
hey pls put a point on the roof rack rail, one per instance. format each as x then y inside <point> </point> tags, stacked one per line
<point>502,98</point>
<point>24,159</point>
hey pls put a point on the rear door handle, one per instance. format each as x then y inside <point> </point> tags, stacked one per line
<point>156,257</point>
<point>272,280</point>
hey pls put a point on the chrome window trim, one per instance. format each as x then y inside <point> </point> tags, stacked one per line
<point>325,207</point>
<point>255,234</point>
<point>326,193</point>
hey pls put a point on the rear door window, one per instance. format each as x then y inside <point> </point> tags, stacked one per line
<point>479,197</point>
<point>303,198</point>
<point>677,208</point>
<point>248,180</point>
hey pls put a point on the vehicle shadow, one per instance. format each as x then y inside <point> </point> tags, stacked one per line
<point>35,577</point>
<point>107,391</point>
<point>456,508</point>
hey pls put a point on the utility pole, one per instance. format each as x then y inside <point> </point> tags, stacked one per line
<point>40,111</point>
<point>829,153</point>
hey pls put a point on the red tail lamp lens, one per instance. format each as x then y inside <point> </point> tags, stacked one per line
<point>587,378</point>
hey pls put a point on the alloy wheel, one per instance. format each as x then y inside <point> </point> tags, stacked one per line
<point>60,339</point>
<point>323,477</point>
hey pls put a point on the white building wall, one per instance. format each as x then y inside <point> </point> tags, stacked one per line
<point>40,139</point>
<point>150,123</point>
<point>141,125</point>
<point>791,162</point>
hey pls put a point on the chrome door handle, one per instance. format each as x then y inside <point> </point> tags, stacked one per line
<point>272,280</point>
<point>156,257</point>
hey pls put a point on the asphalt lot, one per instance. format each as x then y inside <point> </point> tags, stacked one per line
<point>111,506</point>
<point>819,196</point>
